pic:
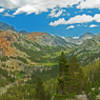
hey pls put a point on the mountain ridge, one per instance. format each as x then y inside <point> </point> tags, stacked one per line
<point>44,44</point>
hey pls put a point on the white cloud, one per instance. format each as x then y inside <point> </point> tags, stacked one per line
<point>93,25</point>
<point>80,19</point>
<point>27,9</point>
<point>44,5</point>
<point>36,6</point>
<point>97,17</point>
<point>58,22</point>
<point>55,13</point>
<point>70,27</point>
<point>2,10</point>
<point>89,4</point>
<point>73,20</point>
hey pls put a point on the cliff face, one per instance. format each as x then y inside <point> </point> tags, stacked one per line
<point>5,44</point>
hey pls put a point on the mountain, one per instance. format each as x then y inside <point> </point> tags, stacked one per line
<point>88,51</point>
<point>35,46</point>
<point>4,26</point>
<point>86,36</point>
<point>23,32</point>
<point>81,39</point>
<point>45,39</point>
<point>24,56</point>
<point>87,48</point>
<point>73,40</point>
<point>42,48</point>
<point>20,51</point>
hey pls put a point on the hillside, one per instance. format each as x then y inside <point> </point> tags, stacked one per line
<point>43,49</point>
<point>20,53</point>
<point>25,56</point>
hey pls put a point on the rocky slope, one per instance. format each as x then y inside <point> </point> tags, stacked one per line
<point>19,53</point>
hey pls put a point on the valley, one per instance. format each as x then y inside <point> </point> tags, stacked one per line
<point>27,57</point>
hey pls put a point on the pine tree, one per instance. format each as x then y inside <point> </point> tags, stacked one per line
<point>96,76</point>
<point>63,67</point>
<point>71,77</point>
<point>76,81</point>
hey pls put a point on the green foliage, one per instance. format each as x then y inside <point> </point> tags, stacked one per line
<point>59,97</point>
<point>39,56</point>
<point>40,93</point>
<point>77,79</point>
<point>71,80</point>
<point>96,77</point>
<point>59,83</point>
<point>63,69</point>
<point>20,59</point>
<point>4,78</point>
<point>4,58</point>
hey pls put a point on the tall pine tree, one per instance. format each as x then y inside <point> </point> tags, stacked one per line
<point>71,77</point>
<point>63,69</point>
<point>76,81</point>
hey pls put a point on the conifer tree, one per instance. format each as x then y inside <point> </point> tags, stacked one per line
<point>76,76</point>
<point>63,67</point>
<point>71,77</point>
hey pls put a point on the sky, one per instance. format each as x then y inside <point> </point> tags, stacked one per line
<point>59,17</point>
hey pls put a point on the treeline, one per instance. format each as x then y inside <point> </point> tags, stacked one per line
<point>67,81</point>
<point>73,81</point>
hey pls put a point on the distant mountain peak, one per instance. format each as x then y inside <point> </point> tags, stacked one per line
<point>4,26</point>
<point>87,34</point>
<point>23,32</point>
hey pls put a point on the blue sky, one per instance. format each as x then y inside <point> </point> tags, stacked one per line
<point>63,18</point>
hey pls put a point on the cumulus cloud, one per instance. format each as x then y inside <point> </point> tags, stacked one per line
<point>97,17</point>
<point>70,27</point>
<point>58,22</point>
<point>93,25</point>
<point>79,19</point>
<point>27,9</point>
<point>89,4</point>
<point>73,20</point>
<point>55,13</point>
<point>2,10</point>
<point>36,6</point>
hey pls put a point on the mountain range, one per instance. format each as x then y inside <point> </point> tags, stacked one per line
<point>42,44</point>
<point>20,51</point>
